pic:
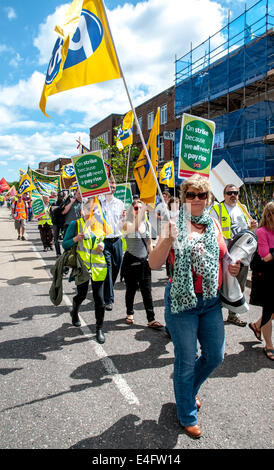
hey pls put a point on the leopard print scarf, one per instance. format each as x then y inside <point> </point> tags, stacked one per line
<point>201,253</point>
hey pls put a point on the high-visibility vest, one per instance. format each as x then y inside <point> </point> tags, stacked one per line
<point>94,262</point>
<point>224,219</point>
<point>20,210</point>
<point>46,218</point>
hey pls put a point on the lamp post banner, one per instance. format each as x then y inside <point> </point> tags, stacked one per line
<point>196,145</point>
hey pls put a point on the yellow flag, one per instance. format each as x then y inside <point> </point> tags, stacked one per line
<point>125,132</point>
<point>167,174</point>
<point>84,54</point>
<point>99,225</point>
<point>25,184</point>
<point>142,170</point>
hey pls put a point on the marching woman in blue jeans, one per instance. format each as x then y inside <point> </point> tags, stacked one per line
<point>193,310</point>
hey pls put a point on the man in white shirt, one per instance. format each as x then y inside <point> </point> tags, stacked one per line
<point>233,220</point>
<point>114,210</point>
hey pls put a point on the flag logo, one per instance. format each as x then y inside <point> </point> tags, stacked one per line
<point>168,173</point>
<point>55,61</point>
<point>84,52</point>
<point>25,184</point>
<point>87,38</point>
<point>125,132</point>
<point>68,170</point>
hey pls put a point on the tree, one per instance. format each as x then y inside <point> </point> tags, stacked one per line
<point>118,159</point>
<point>14,183</point>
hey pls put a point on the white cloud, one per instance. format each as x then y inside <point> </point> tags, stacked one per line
<point>15,61</point>
<point>10,12</point>
<point>147,37</point>
<point>40,146</point>
<point>26,93</point>
<point>47,36</point>
<point>4,48</point>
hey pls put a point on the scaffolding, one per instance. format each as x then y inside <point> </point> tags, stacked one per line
<point>229,78</point>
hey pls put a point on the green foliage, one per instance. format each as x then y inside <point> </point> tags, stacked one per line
<point>14,183</point>
<point>118,159</point>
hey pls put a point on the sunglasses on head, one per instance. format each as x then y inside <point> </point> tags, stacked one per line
<point>229,193</point>
<point>201,196</point>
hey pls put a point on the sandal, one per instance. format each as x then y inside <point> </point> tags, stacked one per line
<point>235,320</point>
<point>255,330</point>
<point>129,321</point>
<point>155,324</point>
<point>269,353</point>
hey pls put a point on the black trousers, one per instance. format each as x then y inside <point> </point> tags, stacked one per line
<point>98,297</point>
<point>46,235</point>
<point>139,276</point>
<point>56,233</point>
<point>113,253</point>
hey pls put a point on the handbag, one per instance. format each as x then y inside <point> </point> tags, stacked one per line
<point>71,261</point>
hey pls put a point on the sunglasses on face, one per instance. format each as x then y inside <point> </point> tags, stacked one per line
<point>201,196</point>
<point>136,208</point>
<point>229,193</point>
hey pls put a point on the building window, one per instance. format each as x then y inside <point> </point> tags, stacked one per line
<point>163,114</point>
<point>140,120</point>
<point>45,170</point>
<point>150,120</point>
<point>161,148</point>
<point>57,167</point>
<point>96,144</point>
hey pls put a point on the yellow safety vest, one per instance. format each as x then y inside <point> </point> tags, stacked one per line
<point>46,218</point>
<point>224,219</point>
<point>94,262</point>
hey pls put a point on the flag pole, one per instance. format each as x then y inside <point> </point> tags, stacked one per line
<point>127,173</point>
<point>134,113</point>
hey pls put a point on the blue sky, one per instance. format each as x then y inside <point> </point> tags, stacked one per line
<point>147,34</point>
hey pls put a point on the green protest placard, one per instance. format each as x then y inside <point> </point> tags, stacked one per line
<point>197,137</point>
<point>91,174</point>
<point>123,192</point>
<point>38,207</point>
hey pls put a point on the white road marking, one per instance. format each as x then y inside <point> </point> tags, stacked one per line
<point>108,364</point>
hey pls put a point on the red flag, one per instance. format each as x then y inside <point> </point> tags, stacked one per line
<point>4,186</point>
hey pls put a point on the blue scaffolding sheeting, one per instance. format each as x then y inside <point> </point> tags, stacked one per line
<point>237,56</point>
<point>240,68</point>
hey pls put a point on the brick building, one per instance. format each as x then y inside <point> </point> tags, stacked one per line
<point>145,113</point>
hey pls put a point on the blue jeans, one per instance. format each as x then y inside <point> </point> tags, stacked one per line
<point>204,323</point>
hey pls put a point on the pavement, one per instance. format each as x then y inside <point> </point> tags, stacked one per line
<point>60,389</point>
